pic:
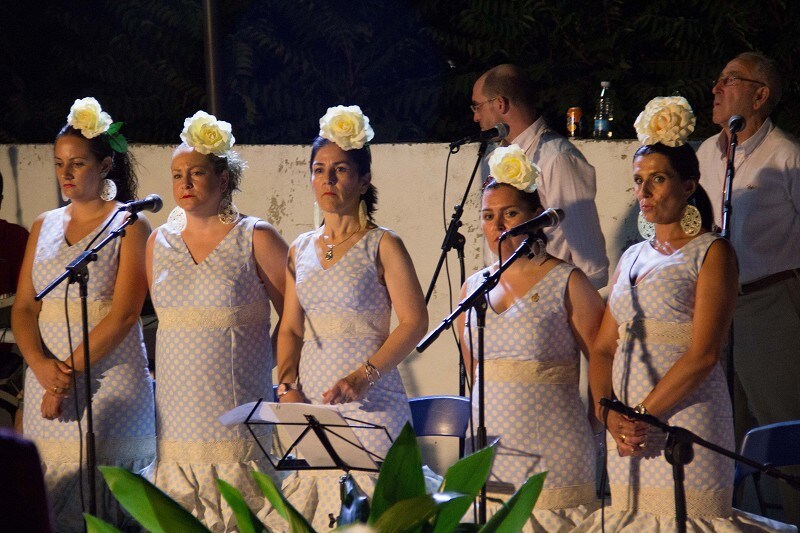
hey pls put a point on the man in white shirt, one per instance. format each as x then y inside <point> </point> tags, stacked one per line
<point>505,94</point>
<point>765,232</point>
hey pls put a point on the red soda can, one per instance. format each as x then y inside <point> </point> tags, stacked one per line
<point>574,115</point>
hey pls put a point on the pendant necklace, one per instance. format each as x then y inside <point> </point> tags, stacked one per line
<point>329,253</point>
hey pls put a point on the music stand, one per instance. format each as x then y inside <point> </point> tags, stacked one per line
<point>320,433</point>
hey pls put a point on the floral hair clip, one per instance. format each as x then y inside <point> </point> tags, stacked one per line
<point>348,127</point>
<point>207,135</point>
<point>88,117</point>
<point>668,120</point>
<point>510,165</point>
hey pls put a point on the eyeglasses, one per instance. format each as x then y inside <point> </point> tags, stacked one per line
<point>478,105</point>
<point>731,79</point>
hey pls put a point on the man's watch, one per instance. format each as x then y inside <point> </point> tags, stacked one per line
<point>639,409</point>
<point>284,388</point>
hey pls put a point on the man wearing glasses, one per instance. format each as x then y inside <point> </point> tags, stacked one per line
<point>506,94</point>
<point>765,231</point>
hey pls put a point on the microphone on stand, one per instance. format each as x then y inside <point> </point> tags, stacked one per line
<point>151,202</point>
<point>498,133</point>
<point>550,217</point>
<point>736,124</point>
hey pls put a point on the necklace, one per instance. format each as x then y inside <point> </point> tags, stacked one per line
<point>329,253</point>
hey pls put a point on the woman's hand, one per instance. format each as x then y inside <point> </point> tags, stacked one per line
<point>51,406</point>
<point>630,435</point>
<point>54,376</point>
<point>350,389</point>
<point>293,396</point>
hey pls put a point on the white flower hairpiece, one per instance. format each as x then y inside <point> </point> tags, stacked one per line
<point>88,117</point>
<point>509,164</point>
<point>207,135</point>
<point>668,120</point>
<point>348,127</point>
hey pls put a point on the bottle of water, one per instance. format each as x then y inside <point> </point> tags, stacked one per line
<point>604,113</point>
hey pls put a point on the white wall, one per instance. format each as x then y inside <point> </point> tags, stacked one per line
<point>410,180</point>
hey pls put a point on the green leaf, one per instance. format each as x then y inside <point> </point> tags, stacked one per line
<point>517,510</point>
<point>246,520</point>
<point>411,513</point>
<point>297,522</point>
<point>153,509</point>
<point>114,128</point>
<point>466,476</point>
<point>95,525</point>
<point>118,143</point>
<point>401,474</point>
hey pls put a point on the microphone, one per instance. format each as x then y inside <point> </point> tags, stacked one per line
<point>151,202</point>
<point>736,124</point>
<point>498,133</point>
<point>550,217</point>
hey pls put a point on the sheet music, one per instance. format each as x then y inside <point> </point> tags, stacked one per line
<point>291,418</point>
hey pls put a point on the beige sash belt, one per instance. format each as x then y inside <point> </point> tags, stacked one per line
<point>657,332</point>
<point>213,317</point>
<point>531,372</point>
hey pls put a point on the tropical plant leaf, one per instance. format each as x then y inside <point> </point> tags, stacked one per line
<point>517,510</point>
<point>153,509</point>
<point>246,520</point>
<point>297,522</point>
<point>401,474</point>
<point>466,476</point>
<point>411,513</point>
<point>95,525</point>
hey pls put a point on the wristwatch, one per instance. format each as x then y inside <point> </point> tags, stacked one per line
<point>639,409</point>
<point>284,388</point>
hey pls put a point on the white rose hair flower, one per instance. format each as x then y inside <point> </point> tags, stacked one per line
<point>668,120</point>
<point>207,135</point>
<point>348,127</point>
<point>87,116</point>
<point>509,164</point>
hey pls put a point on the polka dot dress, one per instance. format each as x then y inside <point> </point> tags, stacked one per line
<point>533,404</point>
<point>347,319</point>
<point>122,393</point>
<point>655,316</point>
<point>213,353</point>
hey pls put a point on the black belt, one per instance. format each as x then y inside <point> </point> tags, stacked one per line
<point>770,280</point>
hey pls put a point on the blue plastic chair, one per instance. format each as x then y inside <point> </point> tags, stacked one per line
<point>445,416</point>
<point>775,444</point>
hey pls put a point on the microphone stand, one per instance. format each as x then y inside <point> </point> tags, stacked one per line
<point>477,300</point>
<point>678,452</point>
<point>78,272</point>
<point>727,210</point>
<point>454,239</point>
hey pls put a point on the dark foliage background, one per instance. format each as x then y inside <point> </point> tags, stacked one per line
<point>409,64</point>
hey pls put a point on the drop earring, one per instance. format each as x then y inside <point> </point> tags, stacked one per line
<point>691,221</point>
<point>108,190</point>
<point>646,229</point>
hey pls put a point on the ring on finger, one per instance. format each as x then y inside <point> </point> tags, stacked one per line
<point>622,437</point>
<point>56,389</point>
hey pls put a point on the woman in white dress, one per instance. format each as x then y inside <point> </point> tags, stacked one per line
<point>213,274</point>
<point>541,315</point>
<point>669,310</point>
<point>95,174</point>
<point>335,345</point>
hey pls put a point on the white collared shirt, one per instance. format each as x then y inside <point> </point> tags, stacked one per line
<point>568,182</point>
<point>765,214</point>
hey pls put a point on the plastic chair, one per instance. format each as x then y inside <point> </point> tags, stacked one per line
<point>445,416</point>
<point>775,444</point>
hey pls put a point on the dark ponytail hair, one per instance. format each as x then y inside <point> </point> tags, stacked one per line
<point>684,161</point>
<point>122,171</point>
